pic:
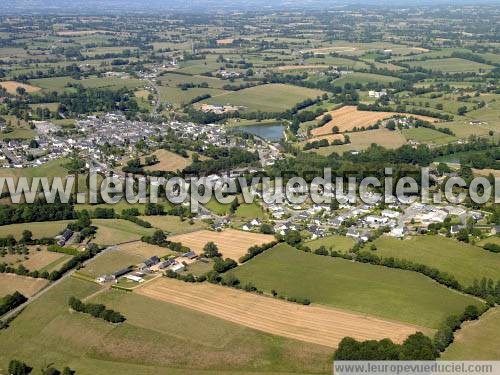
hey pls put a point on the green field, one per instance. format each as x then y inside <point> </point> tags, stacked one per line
<point>364,78</point>
<point>177,96</point>
<point>266,98</point>
<point>249,211</point>
<point>388,293</point>
<point>39,229</point>
<point>157,337</point>
<point>115,231</point>
<point>425,135</point>
<point>478,340</point>
<point>173,224</point>
<point>451,65</point>
<point>338,243</point>
<point>464,261</point>
<point>52,168</point>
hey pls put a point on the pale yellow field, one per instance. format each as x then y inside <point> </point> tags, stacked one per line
<point>27,286</point>
<point>363,140</point>
<point>169,162</point>
<point>347,118</point>
<point>231,243</point>
<point>36,260</point>
<point>314,324</point>
<point>11,87</point>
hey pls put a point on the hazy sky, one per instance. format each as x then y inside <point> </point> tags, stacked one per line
<point>96,6</point>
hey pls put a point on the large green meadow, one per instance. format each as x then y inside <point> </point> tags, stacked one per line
<point>465,262</point>
<point>384,292</point>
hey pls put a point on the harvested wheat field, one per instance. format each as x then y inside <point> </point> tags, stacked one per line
<point>27,286</point>
<point>314,324</point>
<point>231,243</point>
<point>349,117</point>
<point>169,162</point>
<point>11,87</point>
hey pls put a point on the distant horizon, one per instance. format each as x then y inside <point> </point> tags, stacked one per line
<point>60,7</point>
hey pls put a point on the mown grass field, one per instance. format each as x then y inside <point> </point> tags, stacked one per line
<point>465,262</point>
<point>39,229</point>
<point>337,243</point>
<point>27,286</point>
<point>477,340</point>
<point>157,337</point>
<point>115,231</point>
<point>388,293</point>
<point>424,135</point>
<point>451,65</point>
<point>266,98</point>
<point>249,211</point>
<point>364,78</point>
<point>177,96</point>
<point>173,224</point>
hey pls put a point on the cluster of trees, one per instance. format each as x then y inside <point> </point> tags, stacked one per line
<point>11,301</point>
<point>256,250</point>
<point>415,347</point>
<point>38,211</point>
<point>96,310</point>
<point>17,367</point>
<point>92,249</point>
<point>445,334</point>
<point>493,247</point>
<point>223,160</point>
<point>157,238</point>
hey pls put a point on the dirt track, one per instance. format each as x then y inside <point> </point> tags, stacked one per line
<point>315,324</point>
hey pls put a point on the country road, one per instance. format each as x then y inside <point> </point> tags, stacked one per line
<point>36,296</point>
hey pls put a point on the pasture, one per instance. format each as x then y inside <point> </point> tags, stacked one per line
<point>115,231</point>
<point>477,340</point>
<point>338,243</point>
<point>425,135</point>
<point>231,243</point>
<point>266,98</point>
<point>364,79</point>
<point>349,117</point>
<point>157,337</point>
<point>27,286</point>
<point>173,224</point>
<point>451,65</point>
<point>379,291</point>
<point>39,229</point>
<point>465,262</point>
<point>313,324</point>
